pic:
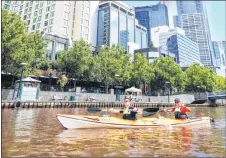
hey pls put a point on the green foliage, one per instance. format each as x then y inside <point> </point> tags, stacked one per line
<point>141,70</point>
<point>62,81</point>
<point>166,70</point>
<point>220,83</point>
<point>18,45</point>
<point>75,61</point>
<point>197,75</point>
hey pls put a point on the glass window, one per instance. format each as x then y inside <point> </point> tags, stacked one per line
<point>87,23</point>
<point>65,15</point>
<point>46,23</point>
<point>25,17</point>
<point>30,9</point>
<point>47,16</point>
<point>50,29</point>
<point>144,40</point>
<point>123,32</point>
<point>40,11</point>
<point>25,12</point>
<point>39,18</point>
<point>35,14</point>
<point>81,28</point>
<point>31,2</point>
<point>27,4</point>
<point>34,20</point>
<point>114,27</point>
<point>53,7</point>
<point>64,30</point>
<point>86,29</point>
<point>65,22</point>
<point>48,9</point>
<point>6,6</point>
<point>130,30</point>
<point>28,22</point>
<point>66,7</point>
<point>33,27</point>
<point>51,21</point>
<point>86,37</point>
<point>138,37</point>
<point>52,14</point>
<point>86,16</point>
<point>41,4</point>
<point>48,2</point>
<point>21,7</point>
<point>29,16</point>
<point>36,7</point>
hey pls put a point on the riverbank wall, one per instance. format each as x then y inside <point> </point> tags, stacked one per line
<point>73,104</point>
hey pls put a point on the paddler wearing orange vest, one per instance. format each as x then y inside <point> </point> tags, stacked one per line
<point>180,111</point>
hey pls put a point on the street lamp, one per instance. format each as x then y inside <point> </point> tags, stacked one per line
<point>20,84</point>
<point>50,80</point>
<point>117,90</point>
<point>199,90</point>
<point>167,82</point>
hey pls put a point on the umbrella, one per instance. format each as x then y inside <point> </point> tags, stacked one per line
<point>133,89</point>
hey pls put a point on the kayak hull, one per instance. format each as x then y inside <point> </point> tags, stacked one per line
<point>82,121</point>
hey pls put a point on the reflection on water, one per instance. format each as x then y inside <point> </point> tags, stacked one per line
<point>36,132</point>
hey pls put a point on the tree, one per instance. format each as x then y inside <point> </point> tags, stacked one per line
<point>166,70</point>
<point>141,70</point>
<point>18,45</point>
<point>62,81</point>
<point>75,61</point>
<point>109,62</point>
<point>13,37</point>
<point>197,75</point>
<point>220,83</point>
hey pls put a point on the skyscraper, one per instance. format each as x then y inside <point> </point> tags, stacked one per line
<point>169,6</point>
<point>116,25</point>
<point>193,19</point>
<point>175,42</point>
<point>152,16</point>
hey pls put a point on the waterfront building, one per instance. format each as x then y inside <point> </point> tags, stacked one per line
<point>67,19</point>
<point>185,50</point>
<point>192,18</point>
<point>117,25</point>
<point>152,16</point>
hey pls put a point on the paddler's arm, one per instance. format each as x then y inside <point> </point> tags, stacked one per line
<point>114,111</point>
<point>169,110</point>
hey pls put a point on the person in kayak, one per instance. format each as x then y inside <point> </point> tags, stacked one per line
<point>180,111</point>
<point>129,111</point>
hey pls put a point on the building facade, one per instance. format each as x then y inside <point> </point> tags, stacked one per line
<point>67,19</point>
<point>193,19</point>
<point>152,16</point>
<point>117,25</point>
<point>13,6</point>
<point>149,53</point>
<point>186,51</point>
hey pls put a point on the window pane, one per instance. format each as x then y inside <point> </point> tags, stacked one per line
<point>123,32</point>
<point>114,28</point>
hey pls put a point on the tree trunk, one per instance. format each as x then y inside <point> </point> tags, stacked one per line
<point>74,85</point>
<point>106,88</point>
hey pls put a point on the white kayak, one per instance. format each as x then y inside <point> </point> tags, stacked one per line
<point>86,121</point>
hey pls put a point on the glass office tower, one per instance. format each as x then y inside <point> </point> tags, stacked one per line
<point>116,24</point>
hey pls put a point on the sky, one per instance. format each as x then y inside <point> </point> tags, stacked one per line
<point>215,12</point>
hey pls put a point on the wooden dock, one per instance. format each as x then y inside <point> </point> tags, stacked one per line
<point>85,104</point>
